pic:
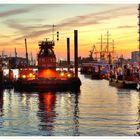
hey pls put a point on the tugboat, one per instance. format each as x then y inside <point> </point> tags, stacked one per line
<point>47,78</point>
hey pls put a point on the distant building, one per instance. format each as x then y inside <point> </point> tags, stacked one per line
<point>64,63</point>
<point>121,61</point>
<point>13,62</point>
<point>16,62</point>
<point>85,60</point>
<point>135,56</point>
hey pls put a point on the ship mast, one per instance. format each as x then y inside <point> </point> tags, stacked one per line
<point>101,53</point>
<point>107,41</point>
<point>107,47</point>
<point>53,26</point>
<point>113,46</point>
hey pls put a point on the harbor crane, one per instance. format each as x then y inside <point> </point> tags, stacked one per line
<point>94,51</point>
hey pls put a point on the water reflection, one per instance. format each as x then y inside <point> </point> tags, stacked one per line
<point>1,107</point>
<point>87,76</point>
<point>76,115</point>
<point>68,114</point>
<point>123,91</point>
<point>1,102</point>
<point>46,111</point>
<point>58,113</point>
<point>129,108</point>
<point>138,125</point>
<point>99,110</point>
<point>26,100</point>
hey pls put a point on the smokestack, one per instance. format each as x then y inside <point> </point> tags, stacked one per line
<point>76,52</point>
<point>26,52</point>
<point>68,53</point>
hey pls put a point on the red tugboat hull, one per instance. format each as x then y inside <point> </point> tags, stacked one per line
<point>41,85</point>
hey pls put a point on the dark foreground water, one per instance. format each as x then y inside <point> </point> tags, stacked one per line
<point>98,110</point>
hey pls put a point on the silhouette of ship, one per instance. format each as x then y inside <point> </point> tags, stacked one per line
<point>46,78</point>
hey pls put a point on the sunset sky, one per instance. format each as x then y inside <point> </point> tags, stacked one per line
<point>34,21</point>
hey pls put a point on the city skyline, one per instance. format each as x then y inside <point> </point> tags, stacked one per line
<point>34,22</point>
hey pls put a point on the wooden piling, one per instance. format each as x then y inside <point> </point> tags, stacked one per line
<point>76,52</point>
<point>68,53</point>
<point>26,52</point>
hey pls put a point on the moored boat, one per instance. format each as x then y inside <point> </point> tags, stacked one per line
<point>72,84</point>
<point>123,84</point>
<point>97,71</point>
<point>46,78</point>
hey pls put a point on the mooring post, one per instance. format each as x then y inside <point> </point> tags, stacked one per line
<point>76,52</point>
<point>9,67</point>
<point>26,52</point>
<point>68,53</point>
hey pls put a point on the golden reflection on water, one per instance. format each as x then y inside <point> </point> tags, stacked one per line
<point>46,112</point>
<point>97,110</point>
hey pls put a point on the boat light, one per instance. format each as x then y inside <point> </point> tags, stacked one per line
<point>23,76</point>
<point>69,75</point>
<point>30,75</point>
<point>62,74</point>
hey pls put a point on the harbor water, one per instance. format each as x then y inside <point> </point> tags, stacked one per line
<point>97,110</point>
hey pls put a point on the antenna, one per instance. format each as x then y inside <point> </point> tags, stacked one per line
<point>53,26</point>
